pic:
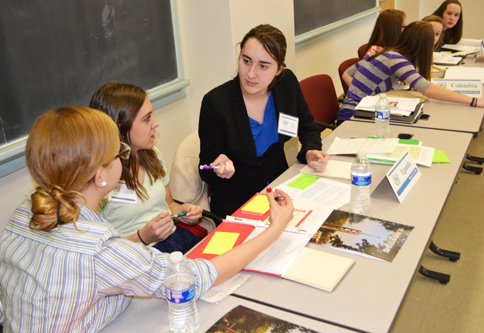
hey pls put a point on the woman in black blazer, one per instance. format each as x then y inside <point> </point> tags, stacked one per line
<point>241,132</point>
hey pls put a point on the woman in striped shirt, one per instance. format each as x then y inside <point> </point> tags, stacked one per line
<point>409,60</point>
<point>63,268</point>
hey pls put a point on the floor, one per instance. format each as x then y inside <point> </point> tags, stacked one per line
<point>457,306</point>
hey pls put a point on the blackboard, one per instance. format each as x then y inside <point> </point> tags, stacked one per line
<point>314,14</point>
<point>55,53</point>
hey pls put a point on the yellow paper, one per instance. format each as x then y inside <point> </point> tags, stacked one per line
<point>258,205</point>
<point>221,242</point>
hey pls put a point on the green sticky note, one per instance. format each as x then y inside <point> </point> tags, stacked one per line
<point>221,242</point>
<point>303,181</point>
<point>440,157</point>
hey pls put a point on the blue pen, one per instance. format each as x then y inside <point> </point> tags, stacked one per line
<point>209,167</point>
<point>174,216</point>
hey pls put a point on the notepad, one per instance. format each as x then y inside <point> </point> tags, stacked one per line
<point>334,169</point>
<point>318,269</point>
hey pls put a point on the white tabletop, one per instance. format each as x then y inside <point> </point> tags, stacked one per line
<point>151,315</point>
<point>369,296</point>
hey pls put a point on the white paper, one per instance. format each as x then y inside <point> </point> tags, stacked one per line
<point>334,169</point>
<point>399,106</point>
<point>422,155</point>
<point>321,193</point>
<point>217,293</point>
<point>277,258</point>
<point>353,146</point>
<point>443,58</point>
<point>466,73</point>
<point>464,48</point>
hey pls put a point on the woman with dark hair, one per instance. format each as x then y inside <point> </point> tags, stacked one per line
<point>245,122</point>
<point>63,268</point>
<point>452,16</point>
<point>410,60</point>
<point>438,25</point>
<point>388,28</point>
<point>144,190</point>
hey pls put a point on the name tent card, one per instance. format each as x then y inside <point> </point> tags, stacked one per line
<point>472,88</point>
<point>403,176</point>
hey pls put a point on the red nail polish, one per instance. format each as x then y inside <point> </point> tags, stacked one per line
<point>269,190</point>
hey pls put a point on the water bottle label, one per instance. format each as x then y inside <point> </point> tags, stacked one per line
<point>361,180</point>
<point>180,296</point>
<point>383,114</point>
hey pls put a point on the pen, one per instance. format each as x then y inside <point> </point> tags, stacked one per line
<point>209,167</point>
<point>279,198</point>
<point>174,216</point>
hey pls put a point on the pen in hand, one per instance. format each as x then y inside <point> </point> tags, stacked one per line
<point>174,216</point>
<point>278,198</point>
<point>209,167</point>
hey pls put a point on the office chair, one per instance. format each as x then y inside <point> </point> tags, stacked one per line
<point>361,50</point>
<point>185,182</point>
<point>342,68</point>
<point>319,92</point>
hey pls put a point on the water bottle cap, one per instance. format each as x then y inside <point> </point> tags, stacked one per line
<point>176,256</point>
<point>362,153</point>
<point>383,95</point>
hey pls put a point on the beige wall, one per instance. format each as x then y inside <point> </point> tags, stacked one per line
<point>209,31</point>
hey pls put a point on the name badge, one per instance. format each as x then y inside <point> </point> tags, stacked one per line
<point>288,125</point>
<point>121,193</point>
<point>403,176</point>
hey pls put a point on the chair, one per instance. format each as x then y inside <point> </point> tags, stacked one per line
<point>342,68</point>
<point>319,92</point>
<point>185,182</point>
<point>361,50</point>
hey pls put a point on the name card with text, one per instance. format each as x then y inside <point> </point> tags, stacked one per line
<point>403,176</point>
<point>472,88</point>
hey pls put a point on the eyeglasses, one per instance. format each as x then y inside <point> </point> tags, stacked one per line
<point>124,151</point>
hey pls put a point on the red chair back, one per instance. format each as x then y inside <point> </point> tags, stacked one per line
<point>361,50</point>
<point>319,92</point>
<point>343,67</point>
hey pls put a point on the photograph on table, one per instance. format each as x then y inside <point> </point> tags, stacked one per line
<point>364,235</point>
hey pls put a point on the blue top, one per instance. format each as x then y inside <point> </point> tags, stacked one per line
<point>265,134</point>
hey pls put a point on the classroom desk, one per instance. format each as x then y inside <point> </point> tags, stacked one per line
<point>444,116</point>
<point>447,116</point>
<point>369,296</point>
<point>151,315</point>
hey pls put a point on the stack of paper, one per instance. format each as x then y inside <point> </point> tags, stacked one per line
<point>334,169</point>
<point>446,59</point>
<point>398,106</point>
<point>421,155</point>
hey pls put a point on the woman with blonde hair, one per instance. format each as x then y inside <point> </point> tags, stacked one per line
<point>63,268</point>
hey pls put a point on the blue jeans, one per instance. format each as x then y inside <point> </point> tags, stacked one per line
<point>181,240</point>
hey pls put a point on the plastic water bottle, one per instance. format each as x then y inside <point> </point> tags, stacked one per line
<point>360,184</point>
<point>180,294</point>
<point>382,117</point>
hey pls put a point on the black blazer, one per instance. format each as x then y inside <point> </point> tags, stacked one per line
<point>224,128</point>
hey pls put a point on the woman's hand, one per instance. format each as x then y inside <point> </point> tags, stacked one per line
<point>194,213</point>
<point>157,230</point>
<point>226,169</point>
<point>317,159</point>
<point>282,209</point>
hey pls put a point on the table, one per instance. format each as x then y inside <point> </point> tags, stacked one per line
<point>151,315</point>
<point>369,296</point>
<point>447,116</point>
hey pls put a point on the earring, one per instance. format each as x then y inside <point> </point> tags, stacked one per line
<point>104,184</point>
